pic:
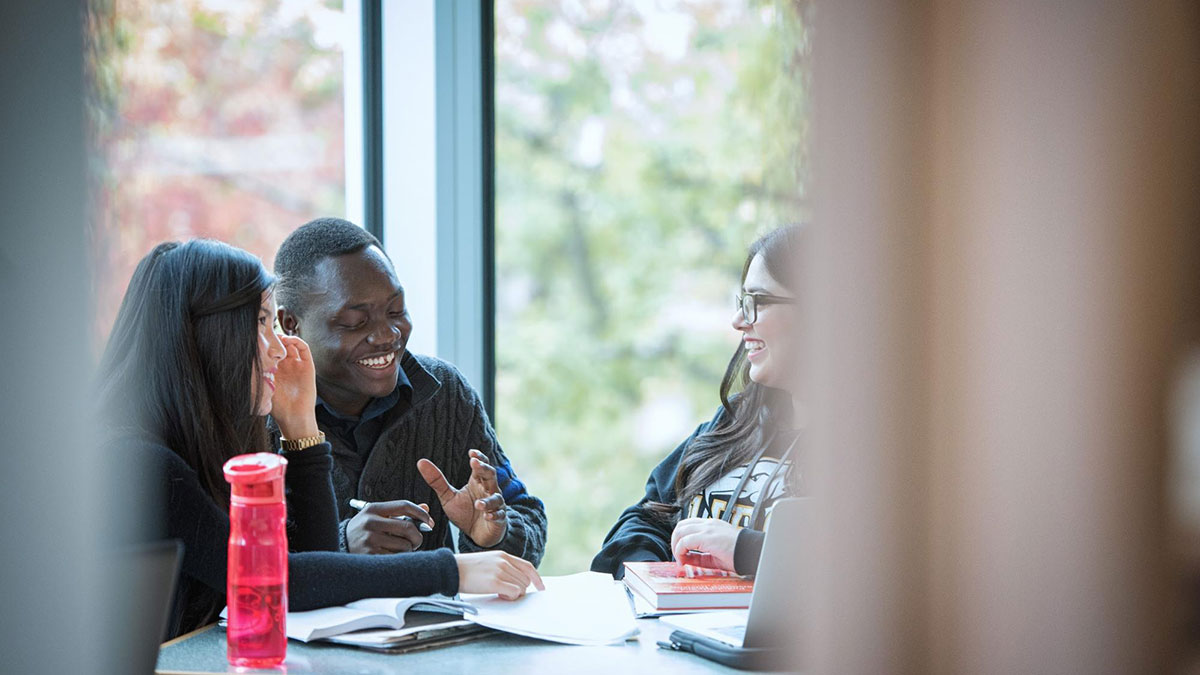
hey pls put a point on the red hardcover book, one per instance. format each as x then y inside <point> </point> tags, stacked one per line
<point>667,585</point>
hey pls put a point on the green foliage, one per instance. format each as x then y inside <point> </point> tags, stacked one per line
<point>639,149</point>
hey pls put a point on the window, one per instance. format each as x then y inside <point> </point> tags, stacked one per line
<point>640,148</point>
<point>214,118</point>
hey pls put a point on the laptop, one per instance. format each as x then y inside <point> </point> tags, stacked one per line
<point>772,621</point>
<point>140,590</point>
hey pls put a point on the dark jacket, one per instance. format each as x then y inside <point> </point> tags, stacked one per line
<point>444,420</point>
<point>642,535</point>
<point>318,575</point>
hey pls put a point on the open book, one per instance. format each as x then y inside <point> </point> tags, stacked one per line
<point>422,630</point>
<point>588,608</point>
<point>369,613</point>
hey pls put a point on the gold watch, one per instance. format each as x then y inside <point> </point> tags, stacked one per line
<point>294,444</point>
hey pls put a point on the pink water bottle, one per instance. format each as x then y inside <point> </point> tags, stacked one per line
<point>257,573</point>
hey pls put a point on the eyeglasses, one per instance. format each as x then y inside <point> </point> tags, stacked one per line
<point>748,304</point>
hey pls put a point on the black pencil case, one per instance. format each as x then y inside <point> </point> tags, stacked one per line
<point>742,658</point>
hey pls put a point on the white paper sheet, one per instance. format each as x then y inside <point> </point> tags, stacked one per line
<point>588,608</point>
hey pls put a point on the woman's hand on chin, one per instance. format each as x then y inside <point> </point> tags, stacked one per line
<point>710,535</point>
<point>295,400</point>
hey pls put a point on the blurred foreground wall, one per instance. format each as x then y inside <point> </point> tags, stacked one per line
<point>51,619</point>
<point>1003,280</point>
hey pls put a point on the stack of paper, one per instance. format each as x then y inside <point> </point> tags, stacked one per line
<point>588,608</point>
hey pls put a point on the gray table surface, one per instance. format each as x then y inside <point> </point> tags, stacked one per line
<point>204,652</point>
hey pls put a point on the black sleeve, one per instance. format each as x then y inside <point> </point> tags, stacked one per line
<point>315,578</point>
<point>327,578</point>
<point>639,535</point>
<point>747,550</point>
<point>312,509</point>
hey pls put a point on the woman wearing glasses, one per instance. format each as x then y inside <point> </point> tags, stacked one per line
<point>709,500</point>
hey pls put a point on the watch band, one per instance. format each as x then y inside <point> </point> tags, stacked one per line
<point>294,444</point>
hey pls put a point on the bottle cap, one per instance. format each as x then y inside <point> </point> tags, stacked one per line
<point>256,478</point>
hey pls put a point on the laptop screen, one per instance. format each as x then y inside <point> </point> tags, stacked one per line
<point>780,600</point>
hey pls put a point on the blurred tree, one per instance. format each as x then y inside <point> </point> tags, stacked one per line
<point>210,118</point>
<point>640,148</point>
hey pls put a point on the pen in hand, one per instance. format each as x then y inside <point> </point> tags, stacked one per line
<point>359,505</point>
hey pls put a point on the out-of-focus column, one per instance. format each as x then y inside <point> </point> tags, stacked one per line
<point>1005,199</point>
<point>1062,183</point>
<point>867,269</point>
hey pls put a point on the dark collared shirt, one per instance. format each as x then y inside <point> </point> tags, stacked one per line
<point>363,431</point>
<point>442,420</point>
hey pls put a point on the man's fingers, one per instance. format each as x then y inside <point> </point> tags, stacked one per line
<point>388,544</point>
<point>490,504</point>
<point>400,507</point>
<point>403,541</point>
<point>482,471</point>
<point>393,528</point>
<point>482,465</point>
<point>435,479</point>
<point>383,542</point>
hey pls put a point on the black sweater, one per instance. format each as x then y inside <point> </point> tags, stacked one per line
<point>318,575</point>
<point>444,419</point>
<point>640,535</point>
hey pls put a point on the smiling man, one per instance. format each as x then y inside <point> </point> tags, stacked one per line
<point>410,436</point>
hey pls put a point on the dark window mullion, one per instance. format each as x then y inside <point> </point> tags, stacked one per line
<point>487,82</point>
<point>372,63</point>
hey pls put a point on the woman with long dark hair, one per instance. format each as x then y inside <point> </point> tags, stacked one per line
<point>191,369</point>
<point>714,493</point>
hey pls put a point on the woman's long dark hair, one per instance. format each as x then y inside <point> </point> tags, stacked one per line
<point>181,366</point>
<point>752,411</point>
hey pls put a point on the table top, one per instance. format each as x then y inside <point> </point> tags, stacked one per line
<point>204,652</point>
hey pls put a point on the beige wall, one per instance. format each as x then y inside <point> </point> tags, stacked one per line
<point>1002,277</point>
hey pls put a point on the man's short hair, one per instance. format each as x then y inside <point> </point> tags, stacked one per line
<point>298,256</point>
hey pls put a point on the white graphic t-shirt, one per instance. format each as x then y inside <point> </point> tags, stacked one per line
<point>716,499</point>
